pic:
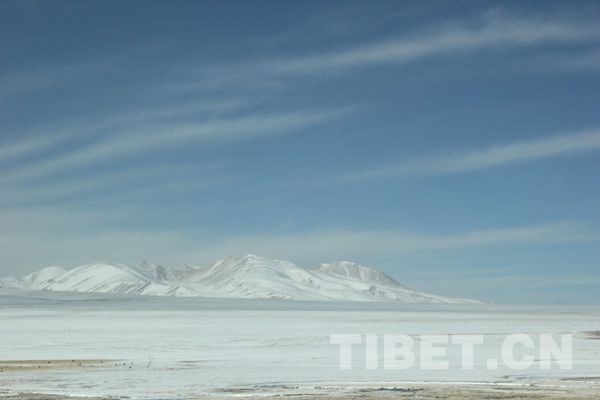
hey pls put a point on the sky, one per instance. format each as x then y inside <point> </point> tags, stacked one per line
<point>453,145</point>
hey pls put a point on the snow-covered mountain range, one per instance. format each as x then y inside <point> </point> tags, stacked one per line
<point>249,276</point>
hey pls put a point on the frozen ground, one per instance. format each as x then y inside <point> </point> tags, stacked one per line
<point>93,345</point>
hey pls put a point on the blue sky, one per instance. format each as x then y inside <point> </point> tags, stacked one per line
<point>455,146</point>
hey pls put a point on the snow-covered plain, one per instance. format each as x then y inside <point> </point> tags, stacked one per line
<point>184,347</point>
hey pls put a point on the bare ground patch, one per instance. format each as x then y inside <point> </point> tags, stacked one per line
<point>577,390</point>
<point>570,391</point>
<point>594,335</point>
<point>34,365</point>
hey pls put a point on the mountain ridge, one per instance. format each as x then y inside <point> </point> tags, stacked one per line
<point>248,276</point>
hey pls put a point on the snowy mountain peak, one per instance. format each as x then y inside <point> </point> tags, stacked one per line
<point>45,274</point>
<point>253,260</point>
<point>248,276</point>
<point>352,270</point>
<point>153,271</point>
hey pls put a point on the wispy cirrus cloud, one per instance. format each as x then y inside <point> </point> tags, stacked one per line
<point>38,77</point>
<point>494,30</point>
<point>141,182</point>
<point>44,137</point>
<point>517,287</point>
<point>339,243</point>
<point>31,145</point>
<point>490,157</point>
<point>161,136</point>
<point>588,60</point>
<point>173,247</point>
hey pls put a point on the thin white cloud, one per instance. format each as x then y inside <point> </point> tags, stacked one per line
<point>134,182</point>
<point>484,284</point>
<point>45,76</point>
<point>76,243</point>
<point>331,244</point>
<point>582,61</point>
<point>30,145</point>
<point>496,32</point>
<point>195,107</point>
<point>494,156</point>
<point>45,137</point>
<point>158,137</point>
